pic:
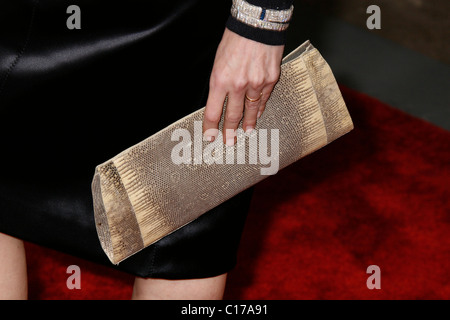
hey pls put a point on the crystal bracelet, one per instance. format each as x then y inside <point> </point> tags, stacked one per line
<point>258,17</point>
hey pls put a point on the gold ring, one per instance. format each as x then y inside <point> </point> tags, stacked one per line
<point>253,100</point>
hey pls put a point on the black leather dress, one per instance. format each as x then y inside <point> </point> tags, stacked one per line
<point>73,98</point>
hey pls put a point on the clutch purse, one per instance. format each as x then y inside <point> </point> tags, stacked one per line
<point>171,178</point>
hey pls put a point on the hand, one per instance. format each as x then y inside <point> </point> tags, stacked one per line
<point>246,71</point>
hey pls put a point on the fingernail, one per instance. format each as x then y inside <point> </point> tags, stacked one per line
<point>249,129</point>
<point>210,135</point>
<point>230,142</point>
<point>259,114</point>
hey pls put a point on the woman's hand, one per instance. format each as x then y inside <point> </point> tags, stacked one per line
<point>246,71</point>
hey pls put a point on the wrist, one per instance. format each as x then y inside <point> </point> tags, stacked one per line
<point>261,17</point>
<point>265,25</point>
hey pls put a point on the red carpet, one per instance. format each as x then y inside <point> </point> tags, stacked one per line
<point>377,196</point>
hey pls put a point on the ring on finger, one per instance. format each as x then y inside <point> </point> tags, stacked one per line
<point>253,100</point>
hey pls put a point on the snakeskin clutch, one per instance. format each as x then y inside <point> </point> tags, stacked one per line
<point>171,178</point>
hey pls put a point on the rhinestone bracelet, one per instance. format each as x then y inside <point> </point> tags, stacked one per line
<point>258,17</point>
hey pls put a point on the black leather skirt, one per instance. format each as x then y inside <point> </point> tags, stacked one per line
<point>72,98</point>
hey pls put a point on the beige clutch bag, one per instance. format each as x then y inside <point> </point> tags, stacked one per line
<point>171,178</point>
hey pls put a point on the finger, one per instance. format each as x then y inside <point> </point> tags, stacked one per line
<point>233,115</point>
<point>252,105</point>
<point>213,113</point>
<point>267,91</point>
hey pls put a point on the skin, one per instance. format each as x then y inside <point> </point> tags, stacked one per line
<point>193,289</point>
<point>13,269</point>
<point>241,67</point>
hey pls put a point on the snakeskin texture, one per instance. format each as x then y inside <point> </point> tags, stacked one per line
<point>141,195</point>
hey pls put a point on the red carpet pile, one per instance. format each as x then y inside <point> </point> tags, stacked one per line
<point>377,196</point>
